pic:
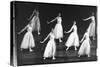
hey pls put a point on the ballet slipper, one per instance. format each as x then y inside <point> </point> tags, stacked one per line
<point>67,48</point>
<point>31,50</point>
<point>60,40</point>
<point>53,58</point>
<point>38,33</point>
<point>44,58</point>
<point>88,55</point>
<point>75,48</point>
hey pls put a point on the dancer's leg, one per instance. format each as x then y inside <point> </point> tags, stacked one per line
<point>67,48</point>
<point>60,40</point>
<point>38,28</point>
<point>75,48</point>
<point>30,50</point>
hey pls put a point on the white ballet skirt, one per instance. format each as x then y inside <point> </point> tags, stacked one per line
<point>28,40</point>
<point>85,46</point>
<point>73,39</point>
<point>58,30</point>
<point>92,29</point>
<point>50,49</point>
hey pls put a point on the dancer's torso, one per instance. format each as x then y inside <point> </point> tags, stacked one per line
<point>29,29</point>
<point>59,20</point>
<point>52,36</point>
<point>74,28</point>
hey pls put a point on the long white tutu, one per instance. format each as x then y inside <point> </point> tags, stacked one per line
<point>28,41</point>
<point>58,31</point>
<point>92,29</point>
<point>50,49</point>
<point>73,40</point>
<point>85,48</point>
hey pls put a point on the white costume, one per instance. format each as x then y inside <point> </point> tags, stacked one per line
<point>35,21</point>
<point>92,27</point>
<point>73,39</point>
<point>58,30</point>
<point>28,40</point>
<point>85,46</point>
<point>50,49</point>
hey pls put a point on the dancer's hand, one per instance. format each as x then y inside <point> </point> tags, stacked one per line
<point>84,19</point>
<point>65,32</point>
<point>48,22</point>
<point>41,41</point>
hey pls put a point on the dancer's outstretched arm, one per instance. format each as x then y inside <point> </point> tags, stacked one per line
<point>69,30</point>
<point>83,38</point>
<point>52,20</point>
<point>87,18</point>
<point>23,29</point>
<point>45,38</point>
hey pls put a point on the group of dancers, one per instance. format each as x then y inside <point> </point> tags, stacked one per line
<point>57,33</point>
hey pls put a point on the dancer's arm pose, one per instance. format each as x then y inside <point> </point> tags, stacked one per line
<point>83,38</point>
<point>88,18</point>
<point>23,29</point>
<point>32,15</point>
<point>45,38</point>
<point>52,20</point>
<point>69,30</point>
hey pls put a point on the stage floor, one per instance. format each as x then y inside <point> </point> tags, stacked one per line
<point>62,56</point>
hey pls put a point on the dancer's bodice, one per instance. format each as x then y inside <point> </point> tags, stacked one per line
<point>59,20</point>
<point>87,36</point>
<point>75,28</point>
<point>93,18</point>
<point>29,29</point>
<point>52,36</point>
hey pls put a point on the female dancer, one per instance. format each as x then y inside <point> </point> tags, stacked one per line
<point>85,47</point>
<point>91,26</point>
<point>58,30</point>
<point>28,40</point>
<point>34,19</point>
<point>50,49</point>
<point>73,39</point>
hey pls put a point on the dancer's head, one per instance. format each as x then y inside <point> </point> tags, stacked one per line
<point>59,14</point>
<point>74,22</point>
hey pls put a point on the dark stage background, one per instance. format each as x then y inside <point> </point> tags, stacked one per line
<point>48,12</point>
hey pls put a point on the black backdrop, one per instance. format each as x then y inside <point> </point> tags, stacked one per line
<point>48,12</point>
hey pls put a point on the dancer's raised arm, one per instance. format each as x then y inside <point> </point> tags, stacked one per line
<point>23,29</point>
<point>45,38</point>
<point>31,15</point>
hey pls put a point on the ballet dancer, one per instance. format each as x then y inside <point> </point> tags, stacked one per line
<point>73,39</point>
<point>58,30</point>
